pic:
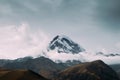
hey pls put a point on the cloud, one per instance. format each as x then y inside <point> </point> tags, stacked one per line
<point>82,56</point>
<point>109,60</point>
<point>63,57</point>
<point>21,41</point>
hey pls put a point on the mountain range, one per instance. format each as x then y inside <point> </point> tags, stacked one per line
<point>73,68</point>
<point>68,50</point>
<point>96,70</point>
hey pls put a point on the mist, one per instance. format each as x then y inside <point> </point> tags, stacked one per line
<point>20,41</point>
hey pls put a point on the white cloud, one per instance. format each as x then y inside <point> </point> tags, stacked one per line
<point>20,41</point>
<point>56,57</point>
<point>83,57</point>
<point>109,60</point>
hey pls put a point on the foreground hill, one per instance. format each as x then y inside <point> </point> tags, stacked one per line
<point>40,65</point>
<point>96,70</point>
<point>19,75</point>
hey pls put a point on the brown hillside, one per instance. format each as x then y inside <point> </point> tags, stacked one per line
<point>96,70</point>
<point>19,75</point>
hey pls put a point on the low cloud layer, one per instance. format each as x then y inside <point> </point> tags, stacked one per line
<point>82,56</point>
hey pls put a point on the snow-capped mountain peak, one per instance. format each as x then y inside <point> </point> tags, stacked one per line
<point>63,44</point>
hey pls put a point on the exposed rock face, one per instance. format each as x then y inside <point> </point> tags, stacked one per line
<point>63,44</point>
<point>96,70</point>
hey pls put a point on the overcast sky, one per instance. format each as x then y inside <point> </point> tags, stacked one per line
<point>27,25</point>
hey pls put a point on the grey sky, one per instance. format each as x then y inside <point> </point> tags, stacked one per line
<point>92,23</point>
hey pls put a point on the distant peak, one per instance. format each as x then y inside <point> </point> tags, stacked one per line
<point>64,44</point>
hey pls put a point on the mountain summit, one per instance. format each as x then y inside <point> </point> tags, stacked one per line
<point>63,44</point>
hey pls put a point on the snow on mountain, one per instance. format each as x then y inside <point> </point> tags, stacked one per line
<point>63,49</point>
<point>63,44</point>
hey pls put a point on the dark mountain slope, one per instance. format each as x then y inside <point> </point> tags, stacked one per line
<point>19,75</point>
<point>96,70</point>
